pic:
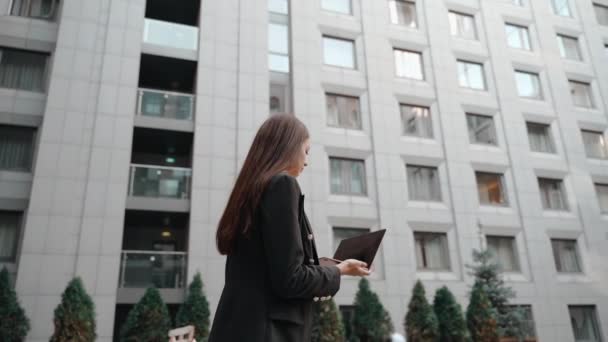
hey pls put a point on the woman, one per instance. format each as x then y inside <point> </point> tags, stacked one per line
<point>272,271</point>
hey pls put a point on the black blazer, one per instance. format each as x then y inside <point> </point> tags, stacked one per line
<point>273,275</point>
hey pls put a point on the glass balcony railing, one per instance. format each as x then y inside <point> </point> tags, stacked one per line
<point>170,34</point>
<point>165,104</point>
<point>143,269</point>
<point>159,181</point>
<point>40,9</point>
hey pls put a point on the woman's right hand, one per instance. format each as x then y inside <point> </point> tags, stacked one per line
<point>353,267</point>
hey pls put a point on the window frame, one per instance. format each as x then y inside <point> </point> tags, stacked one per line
<point>523,34</point>
<point>560,242</point>
<point>533,76</point>
<point>547,206</point>
<point>423,237</point>
<point>350,8</point>
<point>514,251</point>
<point>459,18</point>
<point>393,16</point>
<point>397,66</point>
<point>412,196</point>
<point>364,185</point>
<point>19,218</point>
<point>420,131</point>
<point>353,51</point>
<point>467,73</point>
<point>548,136</point>
<point>492,127</point>
<point>501,186</point>
<point>358,127</point>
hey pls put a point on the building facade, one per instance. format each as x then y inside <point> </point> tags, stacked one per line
<point>454,124</point>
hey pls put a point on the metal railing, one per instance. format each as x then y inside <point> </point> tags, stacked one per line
<point>165,104</point>
<point>170,34</point>
<point>143,269</point>
<point>159,181</point>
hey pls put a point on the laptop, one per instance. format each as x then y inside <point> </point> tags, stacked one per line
<point>363,247</point>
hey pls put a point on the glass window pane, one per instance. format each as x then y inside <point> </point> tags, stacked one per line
<point>539,136</point>
<point>340,6</point>
<point>278,38</point>
<point>581,94</point>
<point>517,36</point>
<point>481,129</point>
<point>423,183</point>
<point>403,13</point>
<point>432,251</point>
<point>601,13</point>
<point>504,252</point>
<point>462,25</point>
<point>21,69</point>
<point>278,6</point>
<point>595,144</point>
<point>566,257</point>
<point>490,188</point>
<point>347,176</point>
<point>561,7</point>
<point>408,64</point>
<point>568,47</point>
<point>16,148</point>
<point>339,52</point>
<point>528,85</point>
<point>552,194</point>
<point>10,223</point>
<point>470,75</point>
<point>602,197</point>
<point>416,121</point>
<point>584,322</point>
<point>343,111</point>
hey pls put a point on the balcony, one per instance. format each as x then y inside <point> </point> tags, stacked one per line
<point>165,104</point>
<point>144,269</point>
<point>159,181</point>
<point>168,34</point>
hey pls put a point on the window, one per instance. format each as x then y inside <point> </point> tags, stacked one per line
<point>568,47</point>
<point>423,183</point>
<point>601,13</point>
<point>347,176</point>
<point>348,315</point>
<point>517,2</point>
<point>481,129</point>
<point>462,25</point>
<point>584,323</point>
<point>278,6</point>
<point>552,194</point>
<point>416,121</point>
<point>527,322</point>
<point>42,9</point>
<point>403,13</point>
<point>432,251</point>
<point>504,252</point>
<point>518,36</point>
<point>561,8</point>
<point>278,45</point>
<point>470,75</point>
<point>528,85</point>
<point>581,94</point>
<point>565,253</point>
<point>339,52</point>
<point>340,6</point>
<point>21,69</point>
<point>595,144</point>
<point>602,196</point>
<point>279,98</point>
<point>408,64</point>
<point>540,138</point>
<point>10,225</point>
<point>490,188</point>
<point>606,50</point>
<point>342,233</point>
<point>343,111</point>
<point>16,148</point>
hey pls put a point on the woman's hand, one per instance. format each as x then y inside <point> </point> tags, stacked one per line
<point>353,267</point>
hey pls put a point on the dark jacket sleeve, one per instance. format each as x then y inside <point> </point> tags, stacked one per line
<point>280,228</point>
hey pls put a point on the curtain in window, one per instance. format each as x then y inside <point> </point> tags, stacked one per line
<point>9,228</point>
<point>423,183</point>
<point>481,129</point>
<point>408,64</point>
<point>347,176</point>
<point>431,251</point>
<point>602,195</point>
<point>357,184</point>
<point>584,324</point>
<point>16,147</point>
<point>552,194</point>
<point>403,13</point>
<point>566,255</point>
<point>416,121</point>
<point>503,249</point>
<point>489,188</point>
<point>581,94</point>
<point>343,111</point>
<point>540,138</point>
<point>22,69</point>
<point>595,144</point>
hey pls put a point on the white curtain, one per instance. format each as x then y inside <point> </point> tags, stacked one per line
<point>347,176</point>
<point>552,194</point>
<point>22,69</point>
<point>403,13</point>
<point>416,121</point>
<point>423,183</point>
<point>432,251</point>
<point>408,64</point>
<point>540,138</point>
<point>584,324</point>
<point>9,227</point>
<point>343,111</point>
<point>595,144</point>
<point>602,195</point>
<point>581,94</point>
<point>566,256</point>
<point>503,248</point>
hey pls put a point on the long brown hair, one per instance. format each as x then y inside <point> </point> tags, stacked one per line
<point>274,149</point>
